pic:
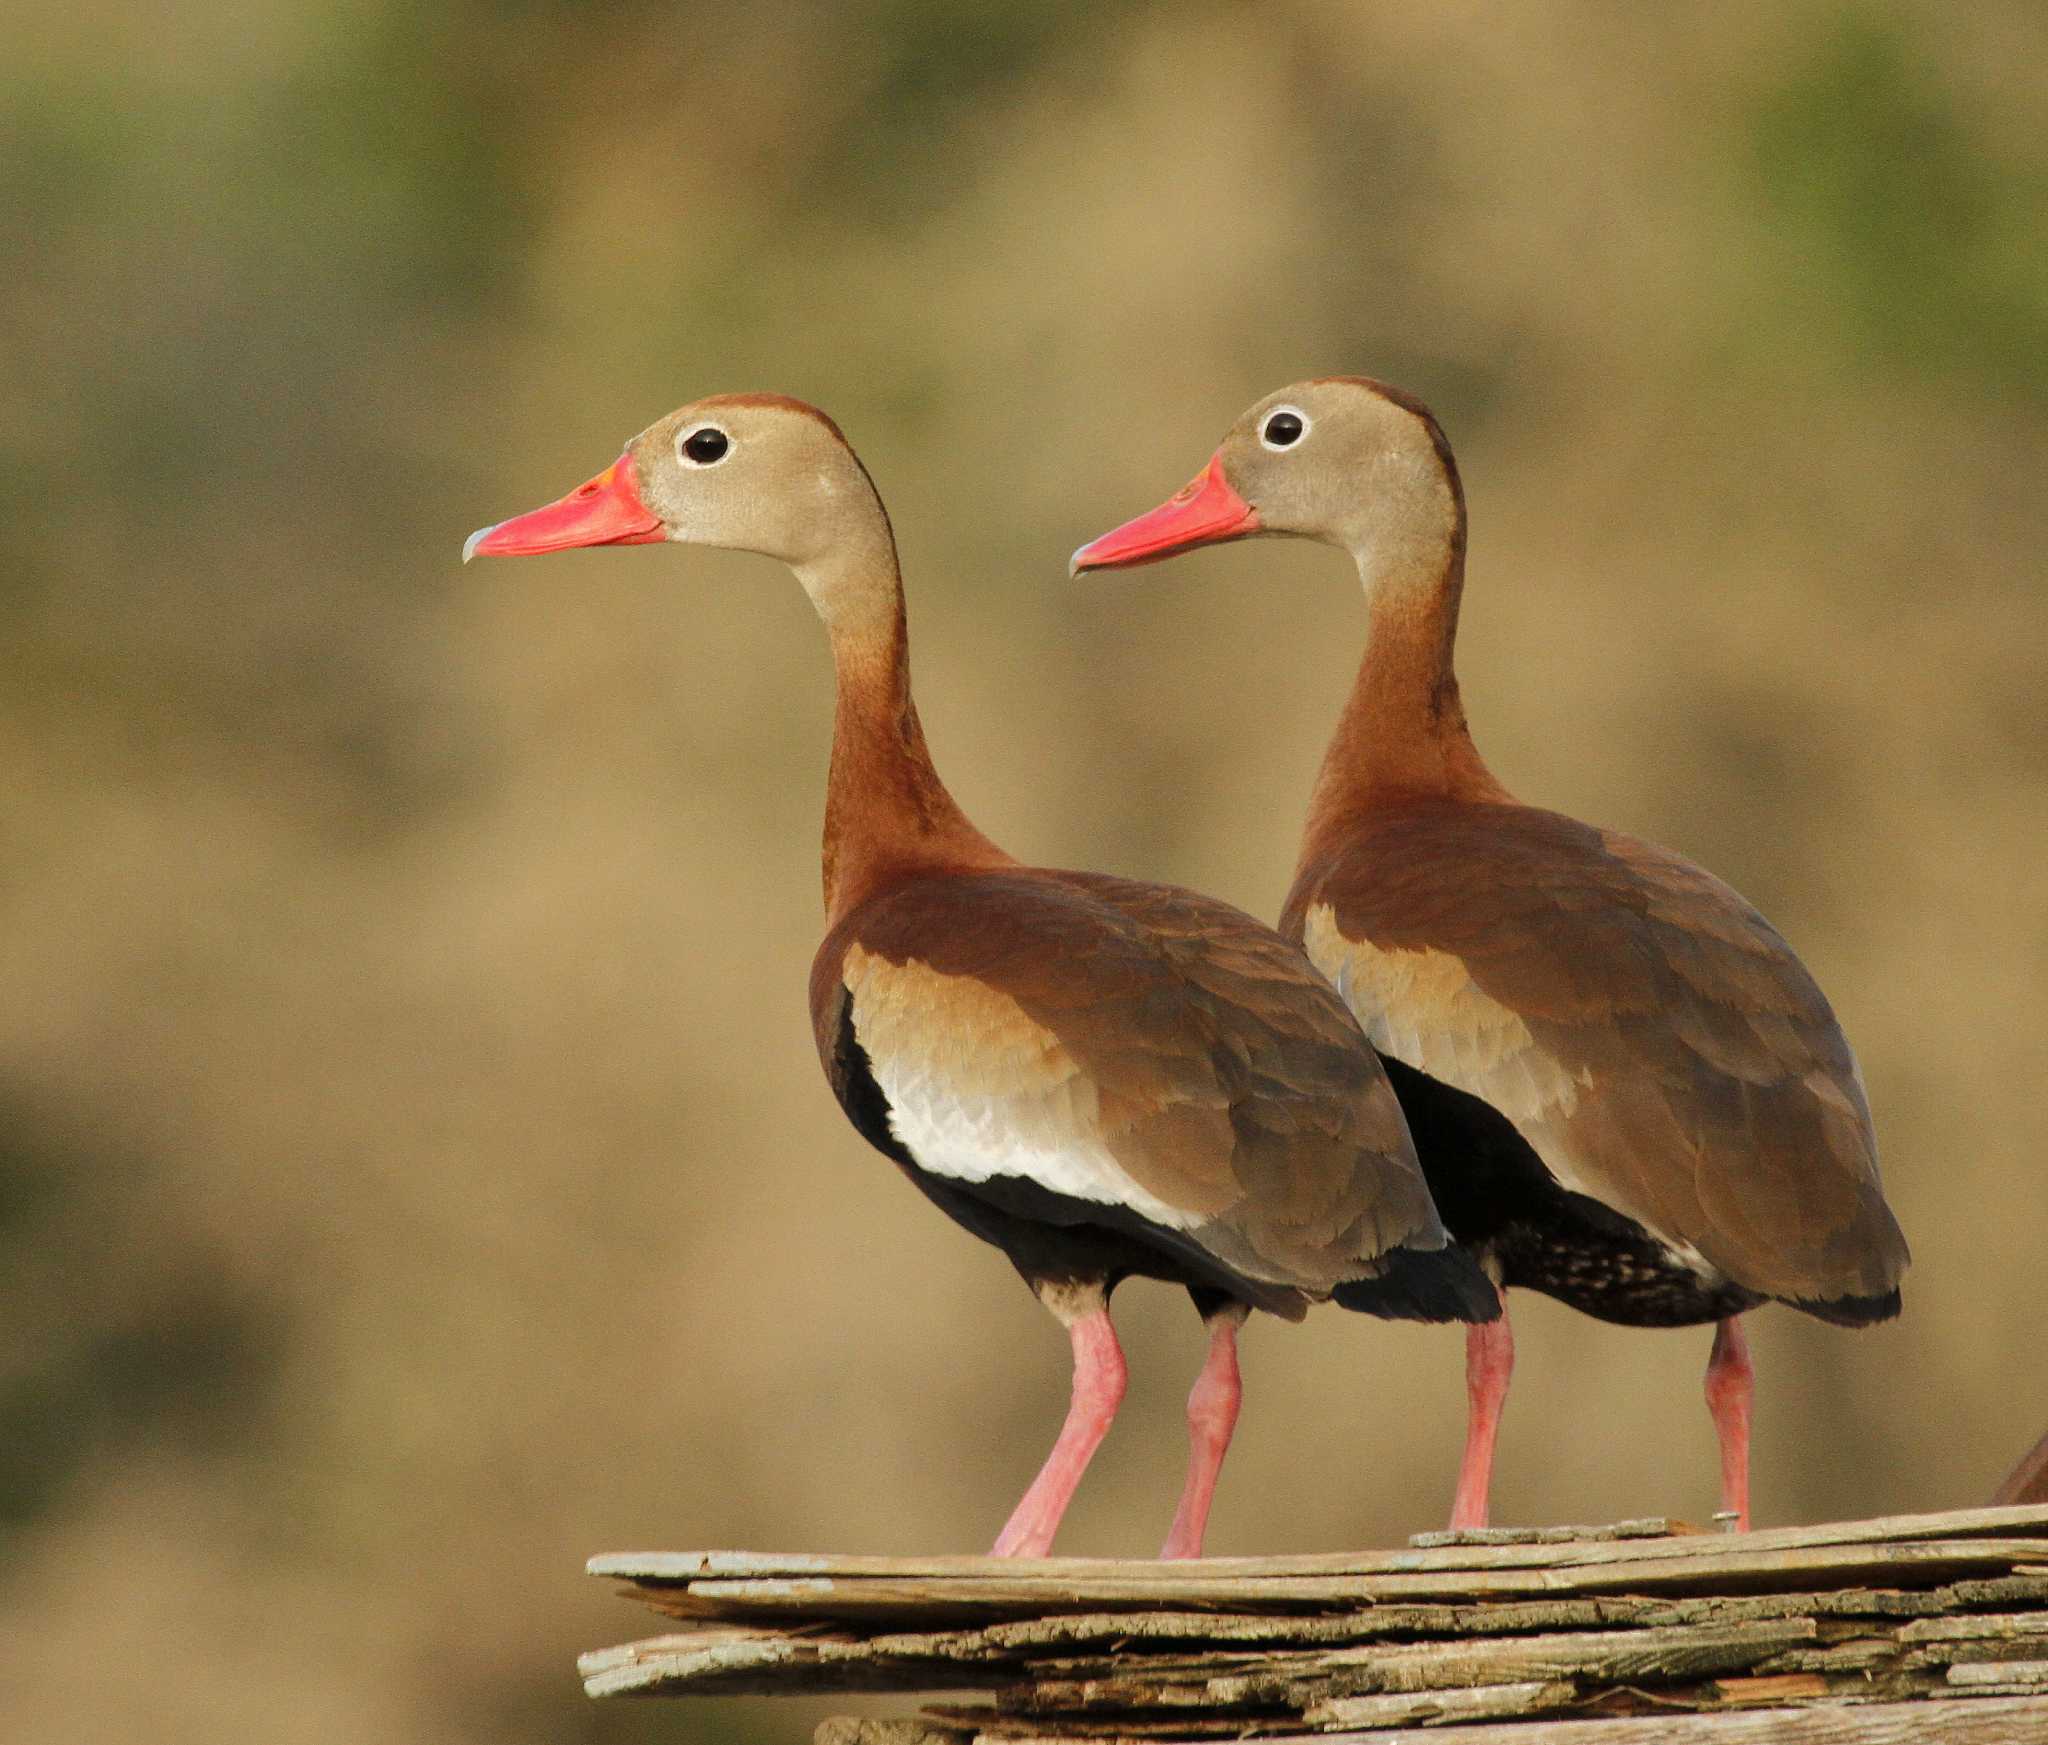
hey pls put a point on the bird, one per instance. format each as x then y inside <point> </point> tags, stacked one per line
<point>1627,1091</point>
<point>1101,1077</point>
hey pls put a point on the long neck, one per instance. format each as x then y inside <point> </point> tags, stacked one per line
<point>886,811</point>
<point>1402,735</point>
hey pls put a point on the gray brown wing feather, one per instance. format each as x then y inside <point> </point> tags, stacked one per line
<point>1150,1044</point>
<point>1653,1037</point>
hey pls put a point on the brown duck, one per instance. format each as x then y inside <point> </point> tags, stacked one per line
<point>1100,1077</point>
<point>1625,1088</point>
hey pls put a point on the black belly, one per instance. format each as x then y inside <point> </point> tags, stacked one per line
<point>1496,1197</point>
<point>1050,1237</point>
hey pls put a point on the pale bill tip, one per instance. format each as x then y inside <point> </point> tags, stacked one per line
<point>477,538</point>
<point>1074,563</point>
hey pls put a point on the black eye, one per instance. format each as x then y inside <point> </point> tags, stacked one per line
<point>706,445</point>
<point>1283,428</point>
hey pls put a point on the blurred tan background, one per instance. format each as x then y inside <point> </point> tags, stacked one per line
<point>414,1170</point>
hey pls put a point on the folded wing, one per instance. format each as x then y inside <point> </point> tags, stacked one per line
<point>1137,1047</point>
<point>1652,1037</point>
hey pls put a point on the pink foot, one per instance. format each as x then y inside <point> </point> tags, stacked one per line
<point>1098,1391</point>
<point>1730,1387</point>
<point>1212,1416</point>
<point>1489,1363</point>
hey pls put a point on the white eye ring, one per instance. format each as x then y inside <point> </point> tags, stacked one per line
<point>1266,423</point>
<point>685,437</point>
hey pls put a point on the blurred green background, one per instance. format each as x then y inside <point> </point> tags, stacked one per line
<point>414,1170</point>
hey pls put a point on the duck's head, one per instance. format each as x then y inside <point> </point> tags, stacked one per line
<point>746,472</point>
<point>1345,460</point>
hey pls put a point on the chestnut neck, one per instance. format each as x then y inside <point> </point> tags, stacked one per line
<point>1402,736</point>
<point>887,813</point>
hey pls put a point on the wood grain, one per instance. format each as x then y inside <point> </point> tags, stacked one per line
<point>1930,1627</point>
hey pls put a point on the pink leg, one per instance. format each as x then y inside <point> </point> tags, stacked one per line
<point>1212,1416</point>
<point>1489,1362</point>
<point>1730,1384</point>
<point>1098,1391</point>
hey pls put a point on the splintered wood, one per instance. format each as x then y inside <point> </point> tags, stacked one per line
<point>1914,1627</point>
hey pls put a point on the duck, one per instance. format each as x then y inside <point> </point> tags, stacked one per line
<point>1627,1091</point>
<point>1100,1077</point>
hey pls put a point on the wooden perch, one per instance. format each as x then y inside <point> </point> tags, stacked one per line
<point>1921,1627</point>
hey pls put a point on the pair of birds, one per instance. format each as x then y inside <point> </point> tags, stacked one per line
<point>1488,1047</point>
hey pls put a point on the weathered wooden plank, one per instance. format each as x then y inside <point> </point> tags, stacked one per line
<point>2000,1672</point>
<point>855,1730</point>
<point>2022,1587</point>
<point>1021,1590</point>
<point>1296,1681</point>
<point>1931,1627</point>
<point>2019,1720</point>
<point>1284,1652</point>
<point>1177,1730</point>
<point>1289,1655</point>
<point>1143,1629</point>
<point>768,1663</point>
<point>1772,1689</point>
<point>2003,1625</point>
<point>848,1729</point>
<point>1138,1627</point>
<point>1137,1630</point>
<point>771,1663</point>
<point>1492,1702</point>
<point>641,1669</point>
<point>1649,1527</point>
<point>1646,1657</point>
<point>2018,1522</point>
<point>1983,1720</point>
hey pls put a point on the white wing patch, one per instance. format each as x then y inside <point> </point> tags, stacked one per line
<point>978,1089</point>
<point>1423,1008</point>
